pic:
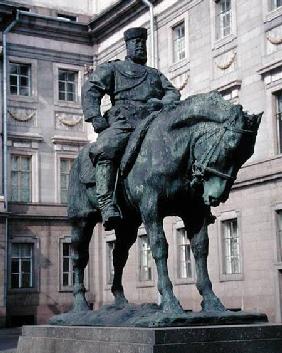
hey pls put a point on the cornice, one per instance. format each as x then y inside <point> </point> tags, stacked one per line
<point>25,51</point>
<point>45,26</point>
<point>115,17</point>
<point>67,140</point>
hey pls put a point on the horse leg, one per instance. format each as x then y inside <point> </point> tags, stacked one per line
<point>200,248</point>
<point>125,237</point>
<point>80,238</point>
<point>159,248</point>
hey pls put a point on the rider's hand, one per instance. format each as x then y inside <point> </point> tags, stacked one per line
<point>154,104</point>
<point>99,124</point>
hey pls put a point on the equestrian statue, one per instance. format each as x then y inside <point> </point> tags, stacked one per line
<point>155,156</point>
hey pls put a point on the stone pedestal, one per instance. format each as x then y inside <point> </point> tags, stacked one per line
<point>261,338</point>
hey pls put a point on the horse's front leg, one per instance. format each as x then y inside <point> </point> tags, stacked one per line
<point>159,248</point>
<point>80,237</point>
<point>200,248</point>
<point>125,237</point>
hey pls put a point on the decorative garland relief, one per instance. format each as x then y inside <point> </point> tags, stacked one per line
<point>226,61</point>
<point>69,122</point>
<point>274,40</point>
<point>21,115</point>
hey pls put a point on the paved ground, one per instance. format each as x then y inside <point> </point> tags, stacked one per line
<point>9,339</point>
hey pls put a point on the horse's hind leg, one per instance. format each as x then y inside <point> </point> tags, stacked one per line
<point>125,237</point>
<point>159,248</point>
<point>80,238</point>
<point>200,248</point>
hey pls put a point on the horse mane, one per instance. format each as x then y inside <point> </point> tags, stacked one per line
<point>204,107</point>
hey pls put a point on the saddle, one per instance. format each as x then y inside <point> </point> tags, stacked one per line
<point>85,165</point>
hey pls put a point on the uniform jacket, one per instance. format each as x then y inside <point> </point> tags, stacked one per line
<point>129,86</point>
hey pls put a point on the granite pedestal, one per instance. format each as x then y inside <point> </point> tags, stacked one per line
<point>260,338</point>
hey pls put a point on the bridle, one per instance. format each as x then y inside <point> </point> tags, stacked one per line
<point>201,168</point>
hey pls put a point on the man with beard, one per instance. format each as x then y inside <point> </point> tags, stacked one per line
<point>135,90</point>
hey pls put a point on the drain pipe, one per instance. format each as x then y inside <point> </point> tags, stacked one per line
<point>5,150</point>
<point>151,8</point>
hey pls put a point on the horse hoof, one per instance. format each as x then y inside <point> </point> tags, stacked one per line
<point>172,307</point>
<point>212,305</point>
<point>80,305</point>
<point>120,301</point>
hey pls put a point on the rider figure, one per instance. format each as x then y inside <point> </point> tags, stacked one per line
<point>135,90</point>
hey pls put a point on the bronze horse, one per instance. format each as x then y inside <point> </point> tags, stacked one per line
<point>187,162</point>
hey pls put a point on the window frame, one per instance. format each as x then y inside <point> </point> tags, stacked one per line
<point>69,288</point>
<point>19,176</point>
<point>220,42</point>
<point>26,239</point>
<point>143,283</point>
<point>109,262</point>
<point>60,177</point>
<point>175,54</point>
<point>175,65</point>
<point>58,156</point>
<point>34,190</point>
<point>224,217</point>
<point>277,127</point>
<point>181,281</point>
<point>19,76</point>
<point>33,97</point>
<point>79,70</point>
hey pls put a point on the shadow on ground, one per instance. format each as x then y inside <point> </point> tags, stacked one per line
<point>9,339</point>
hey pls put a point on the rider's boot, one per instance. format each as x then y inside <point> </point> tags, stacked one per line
<point>105,185</point>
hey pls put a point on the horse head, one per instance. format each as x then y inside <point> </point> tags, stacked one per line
<point>227,146</point>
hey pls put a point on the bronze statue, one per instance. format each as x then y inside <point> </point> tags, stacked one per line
<point>181,159</point>
<point>135,91</point>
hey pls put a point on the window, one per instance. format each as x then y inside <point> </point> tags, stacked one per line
<point>145,256</point>
<point>279,220</point>
<point>279,120</point>
<point>110,267</point>
<point>65,167</point>
<point>231,247</point>
<point>67,273</point>
<point>20,79</point>
<point>184,255</point>
<point>223,18</point>
<point>22,265</point>
<point>274,4</point>
<point>20,178</point>
<point>67,85</point>
<point>179,42</point>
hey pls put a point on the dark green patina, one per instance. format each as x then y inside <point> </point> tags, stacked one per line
<point>181,158</point>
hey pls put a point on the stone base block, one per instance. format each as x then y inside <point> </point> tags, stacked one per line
<point>261,338</point>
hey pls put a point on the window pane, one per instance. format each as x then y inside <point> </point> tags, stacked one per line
<point>231,247</point>
<point>62,75</point>
<point>15,250</point>
<point>70,97</point>
<point>15,280</point>
<point>13,90</point>
<point>24,91</point>
<point>26,266</point>
<point>15,266</point>
<point>61,96</point>
<point>13,69</point>
<point>26,280</point>
<point>65,279</point>
<point>179,42</point>
<point>66,264</point>
<point>66,249</point>
<point>13,81</point>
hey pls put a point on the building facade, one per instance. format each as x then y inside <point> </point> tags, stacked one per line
<point>200,45</point>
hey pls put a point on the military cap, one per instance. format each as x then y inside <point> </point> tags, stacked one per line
<point>135,32</point>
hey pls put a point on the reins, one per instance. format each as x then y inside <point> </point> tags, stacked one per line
<point>200,169</point>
